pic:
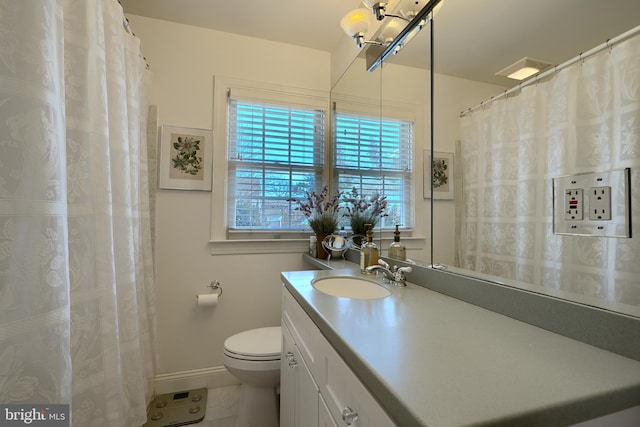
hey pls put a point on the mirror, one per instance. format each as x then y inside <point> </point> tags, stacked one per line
<point>394,96</point>
<point>473,40</point>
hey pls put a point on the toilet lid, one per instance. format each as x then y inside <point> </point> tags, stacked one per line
<point>259,343</point>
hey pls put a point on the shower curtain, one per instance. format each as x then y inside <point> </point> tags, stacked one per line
<point>76,272</point>
<point>585,118</point>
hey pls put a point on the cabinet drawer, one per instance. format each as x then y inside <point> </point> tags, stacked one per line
<point>305,332</point>
<point>345,394</point>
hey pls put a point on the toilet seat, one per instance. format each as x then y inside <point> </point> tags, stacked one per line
<point>262,344</point>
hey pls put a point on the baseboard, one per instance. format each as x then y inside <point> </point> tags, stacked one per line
<point>213,377</point>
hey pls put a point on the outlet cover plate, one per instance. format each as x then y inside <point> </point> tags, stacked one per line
<point>617,219</point>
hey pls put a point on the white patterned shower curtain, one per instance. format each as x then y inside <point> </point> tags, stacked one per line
<point>585,118</point>
<point>76,272</point>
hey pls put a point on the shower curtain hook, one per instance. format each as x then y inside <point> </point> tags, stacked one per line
<point>581,59</point>
<point>609,46</point>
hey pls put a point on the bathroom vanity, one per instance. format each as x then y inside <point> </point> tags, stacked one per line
<point>317,387</point>
<point>421,358</point>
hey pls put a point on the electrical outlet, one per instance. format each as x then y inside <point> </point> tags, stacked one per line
<point>573,199</point>
<point>593,204</point>
<point>600,203</point>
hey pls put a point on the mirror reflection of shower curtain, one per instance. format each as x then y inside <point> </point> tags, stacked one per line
<point>584,118</point>
<point>76,271</point>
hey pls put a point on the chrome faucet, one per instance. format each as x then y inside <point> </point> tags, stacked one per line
<point>396,276</point>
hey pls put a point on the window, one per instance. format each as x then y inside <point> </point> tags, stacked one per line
<point>375,156</point>
<point>274,142</point>
<point>274,152</point>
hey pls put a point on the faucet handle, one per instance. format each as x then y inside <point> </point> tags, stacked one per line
<point>383,263</point>
<point>400,279</point>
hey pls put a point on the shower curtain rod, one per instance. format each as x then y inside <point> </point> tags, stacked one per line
<point>609,44</point>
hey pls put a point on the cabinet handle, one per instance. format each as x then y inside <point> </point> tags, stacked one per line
<point>288,356</point>
<point>349,416</point>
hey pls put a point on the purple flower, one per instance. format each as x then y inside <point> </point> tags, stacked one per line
<point>318,204</point>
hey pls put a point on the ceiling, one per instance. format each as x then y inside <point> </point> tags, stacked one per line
<point>473,38</point>
<point>305,23</point>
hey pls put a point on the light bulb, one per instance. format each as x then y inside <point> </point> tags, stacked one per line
<point>355,22</point>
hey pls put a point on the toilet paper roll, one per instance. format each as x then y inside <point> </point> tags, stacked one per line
<point>207,300</point>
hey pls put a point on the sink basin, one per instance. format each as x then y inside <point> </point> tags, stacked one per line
<point>350,287</point>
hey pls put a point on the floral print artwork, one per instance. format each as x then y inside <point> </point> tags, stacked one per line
<point>185,158</point>
<point>440,173</point>
<point>186,154</point>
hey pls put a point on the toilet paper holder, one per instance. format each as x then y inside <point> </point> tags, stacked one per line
<point>215,285</point>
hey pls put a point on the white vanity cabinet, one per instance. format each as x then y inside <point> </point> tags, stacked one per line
<point>317,387</point>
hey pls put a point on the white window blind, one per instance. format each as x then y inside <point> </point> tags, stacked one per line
<point>375,156</point>
<point>274,152</point>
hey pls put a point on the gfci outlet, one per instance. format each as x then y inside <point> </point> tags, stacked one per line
<point>596,204</point>
<point>600,203</point>
<point>573,204</point>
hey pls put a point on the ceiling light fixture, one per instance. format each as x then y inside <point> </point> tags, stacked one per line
<point>356,24</point>
<point>523,68</point>
<point>380,10</point>
<point>394,34</point>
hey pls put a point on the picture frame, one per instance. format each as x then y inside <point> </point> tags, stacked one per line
<point>443,176</point>
<point>186,158</point>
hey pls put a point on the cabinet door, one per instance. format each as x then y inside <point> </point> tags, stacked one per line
<point>324,416</point>
<point>298,390</point>
<point>304,332</point>
<point>348,401</point>
<point>287,380</point>
<point>307,404</point>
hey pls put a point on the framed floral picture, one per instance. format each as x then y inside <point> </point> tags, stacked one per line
<point>186,158</point>
<point>442,175</point>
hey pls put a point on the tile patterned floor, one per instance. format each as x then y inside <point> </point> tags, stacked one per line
<point>222,407</point>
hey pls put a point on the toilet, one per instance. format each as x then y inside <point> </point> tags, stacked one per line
<point>253,357</point>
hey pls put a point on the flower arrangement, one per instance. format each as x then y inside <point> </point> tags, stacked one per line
<point>320,210</point>
<point>364,210</point>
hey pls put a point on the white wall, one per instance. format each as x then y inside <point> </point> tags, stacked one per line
<point>184,61</point>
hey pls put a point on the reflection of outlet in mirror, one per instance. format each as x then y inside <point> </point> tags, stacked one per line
<point>593,204</point>
<point>573,204</point>
<point>600,203</point>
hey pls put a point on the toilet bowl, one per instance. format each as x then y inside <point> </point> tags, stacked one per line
<point>253,357</point>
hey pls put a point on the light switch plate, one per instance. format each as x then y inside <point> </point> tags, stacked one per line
<point>605,205</point>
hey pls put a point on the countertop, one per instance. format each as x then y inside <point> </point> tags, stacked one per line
<point>433,360</point>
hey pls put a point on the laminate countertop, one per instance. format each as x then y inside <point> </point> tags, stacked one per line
<point>435,361</point>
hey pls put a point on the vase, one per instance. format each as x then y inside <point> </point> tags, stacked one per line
<point>321,253</point>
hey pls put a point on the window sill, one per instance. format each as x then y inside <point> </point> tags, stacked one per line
<point>259,246</point>
<point>288,246</point>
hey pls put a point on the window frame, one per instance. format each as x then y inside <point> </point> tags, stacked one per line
<point>222,240</point>
<point>272,147</point>
<point>385,176</point>
<point>391,110</point>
